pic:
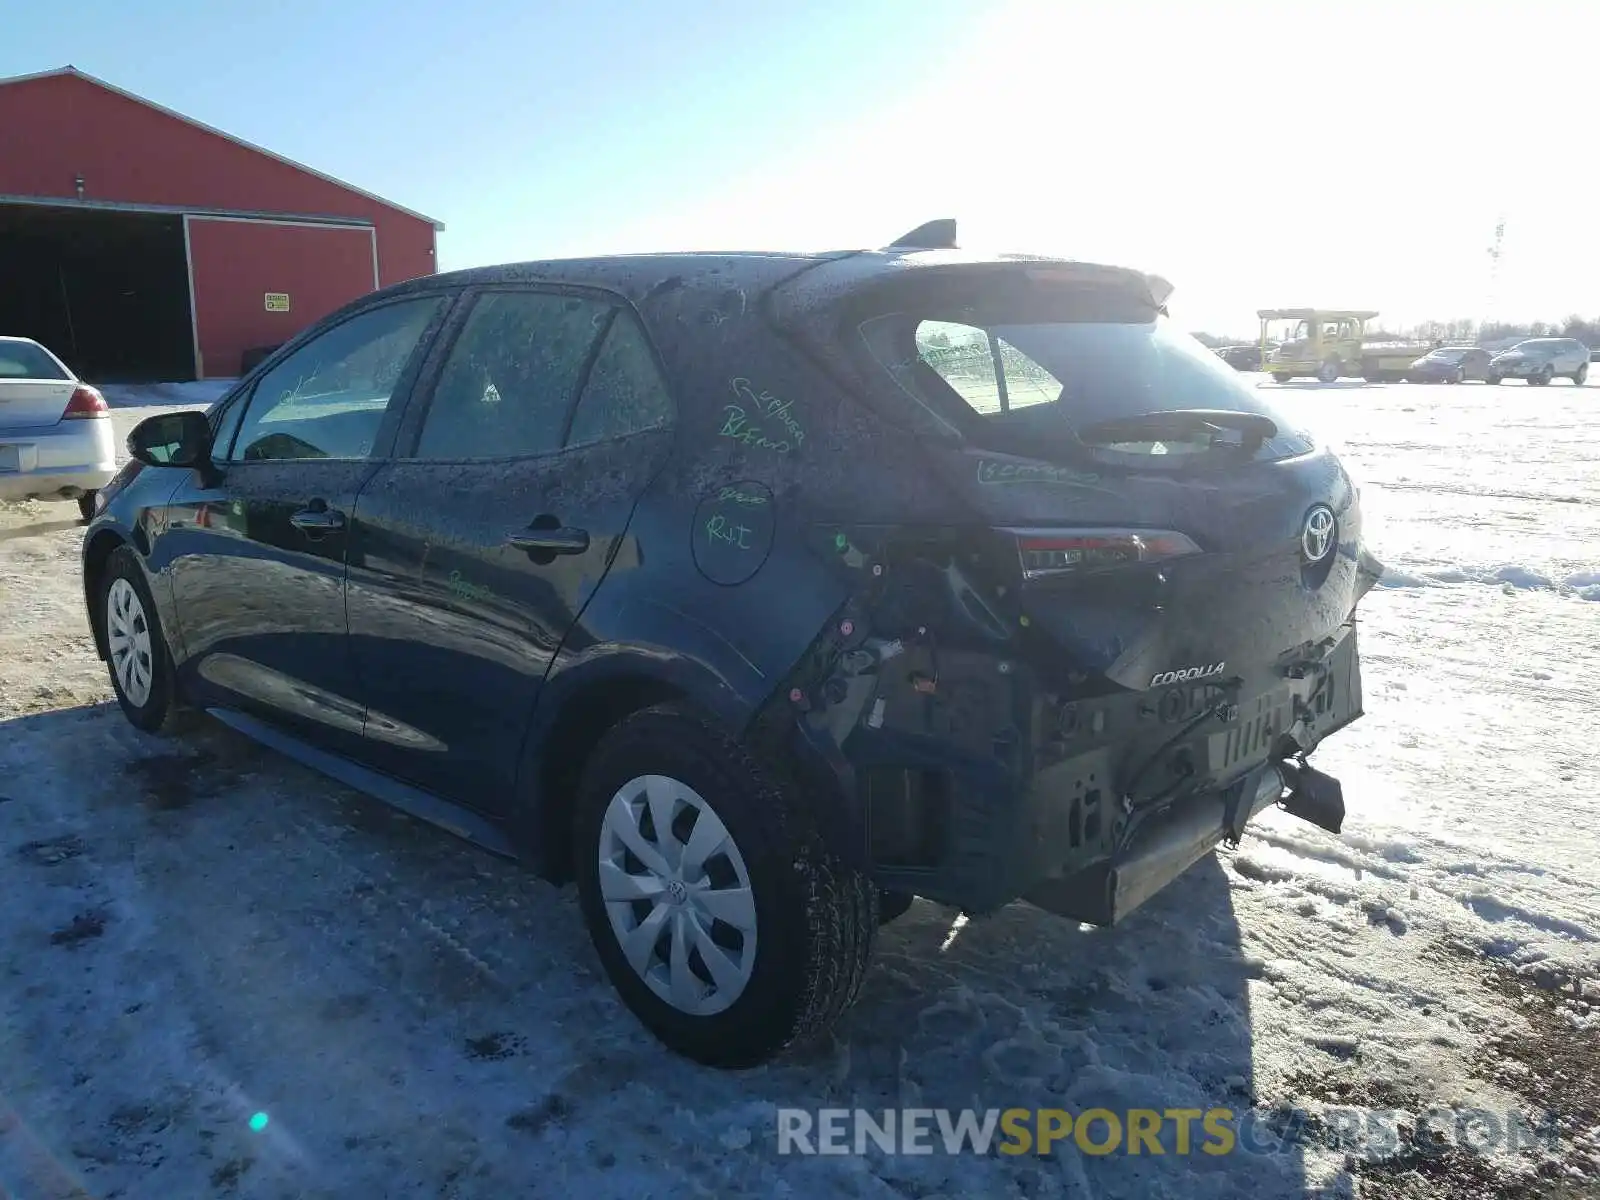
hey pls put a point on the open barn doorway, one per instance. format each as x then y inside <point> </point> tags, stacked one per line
<point>106,290</point>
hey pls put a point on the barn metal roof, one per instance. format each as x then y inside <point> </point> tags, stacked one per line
<point>73,72</point>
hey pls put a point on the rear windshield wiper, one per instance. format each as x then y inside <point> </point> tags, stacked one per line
<point>1182,424</point>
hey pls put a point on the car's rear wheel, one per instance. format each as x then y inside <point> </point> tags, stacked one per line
<point>1491,379</point>
<point>721,918</point>
<point>1328,372</point>
<point>1279,377</point>
<point>1581,374</point>
<point>136,649</point>
<point>1545,375</point>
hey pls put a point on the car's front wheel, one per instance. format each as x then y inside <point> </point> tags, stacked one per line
<point>1491,379</point>
<point>1581,374</point>
<point>1328,372</point>
<point>1280,377</point>
<point>136,649</point>
<point>721,918</point>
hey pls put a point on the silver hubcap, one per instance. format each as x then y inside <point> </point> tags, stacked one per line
<point>128,639</point>
<point>677,894</point>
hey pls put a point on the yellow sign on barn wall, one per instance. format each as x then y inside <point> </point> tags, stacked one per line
<point>277,301</point>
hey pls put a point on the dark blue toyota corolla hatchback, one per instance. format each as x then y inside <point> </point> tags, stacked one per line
<point>759,593</point>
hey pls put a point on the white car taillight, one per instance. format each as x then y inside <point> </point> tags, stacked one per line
<point>86,403</point>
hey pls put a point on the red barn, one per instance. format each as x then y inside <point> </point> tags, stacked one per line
<point>139,244</point>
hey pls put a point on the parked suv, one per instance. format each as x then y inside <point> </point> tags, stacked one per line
<point>1241,358</point>
<point>759,593</point>
<point>1539,360</point>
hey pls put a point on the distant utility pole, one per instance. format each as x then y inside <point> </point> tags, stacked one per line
<point>1494,273</point>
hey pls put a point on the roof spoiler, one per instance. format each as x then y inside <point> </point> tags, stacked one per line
<point>934,235</point>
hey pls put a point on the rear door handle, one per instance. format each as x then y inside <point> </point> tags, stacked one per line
<point>317,517</point>
<point>561,540</point>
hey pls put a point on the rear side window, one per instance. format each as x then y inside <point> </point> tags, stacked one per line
<point>512,375</point>
<point>24,360</point>
<point>1034,367</point>
<point>988,372</point>
<point>625,392</point>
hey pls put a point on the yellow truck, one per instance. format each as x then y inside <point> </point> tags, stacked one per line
<point>1330,344</point>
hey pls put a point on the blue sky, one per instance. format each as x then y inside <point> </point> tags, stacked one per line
<point>1255,153</point>
<point>530,129</point>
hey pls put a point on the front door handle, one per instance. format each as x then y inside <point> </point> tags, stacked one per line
<point>558,540</point>
<point>317,517</point>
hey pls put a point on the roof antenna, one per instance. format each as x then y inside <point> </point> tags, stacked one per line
<point>935,235</point>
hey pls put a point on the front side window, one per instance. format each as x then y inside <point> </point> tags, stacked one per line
<point>225,420</point>
<point>511,377</point>
<point>328,398</point>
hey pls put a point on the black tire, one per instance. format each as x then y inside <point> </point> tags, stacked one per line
<point>159,704</point>
<point>1278,377</point>
<point>1328,372</point>
<point>1495,379</point>
<point>1581,374</point>
<point>86,505</point>
<point>893,905</point>
<point>815,917</point>
<point>1543,378</point>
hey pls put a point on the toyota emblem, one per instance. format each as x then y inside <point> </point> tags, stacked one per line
<point>1317,535</point>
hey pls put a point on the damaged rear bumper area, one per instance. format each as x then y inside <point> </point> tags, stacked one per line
<point>1106,892</point>
<point>974,785</point>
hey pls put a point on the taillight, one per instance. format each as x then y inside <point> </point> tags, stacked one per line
<point>86,402</point>
<point>1047,552</point>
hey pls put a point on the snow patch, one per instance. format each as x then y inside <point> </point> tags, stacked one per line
<point>1516,575</point>
<point>146,395</point>
<point>1394,578</point>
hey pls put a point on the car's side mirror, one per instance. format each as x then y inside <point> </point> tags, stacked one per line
<point>175,439</point>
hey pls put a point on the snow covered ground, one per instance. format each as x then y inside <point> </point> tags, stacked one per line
<point>195,394</point>
<point>196,934</point>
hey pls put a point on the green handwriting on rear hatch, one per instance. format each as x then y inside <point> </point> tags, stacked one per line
<point>991,472</point>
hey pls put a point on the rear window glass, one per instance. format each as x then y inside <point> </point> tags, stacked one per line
<point>1024,368</point>
<point>24,360</point>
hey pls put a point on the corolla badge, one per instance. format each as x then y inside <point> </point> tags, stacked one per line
<point>1317,534</point>
<point>1187,674</point>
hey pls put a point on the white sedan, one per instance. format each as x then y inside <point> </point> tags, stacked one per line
<point>55,430</point>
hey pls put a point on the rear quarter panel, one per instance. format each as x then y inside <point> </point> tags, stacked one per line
<point>770,444</point>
